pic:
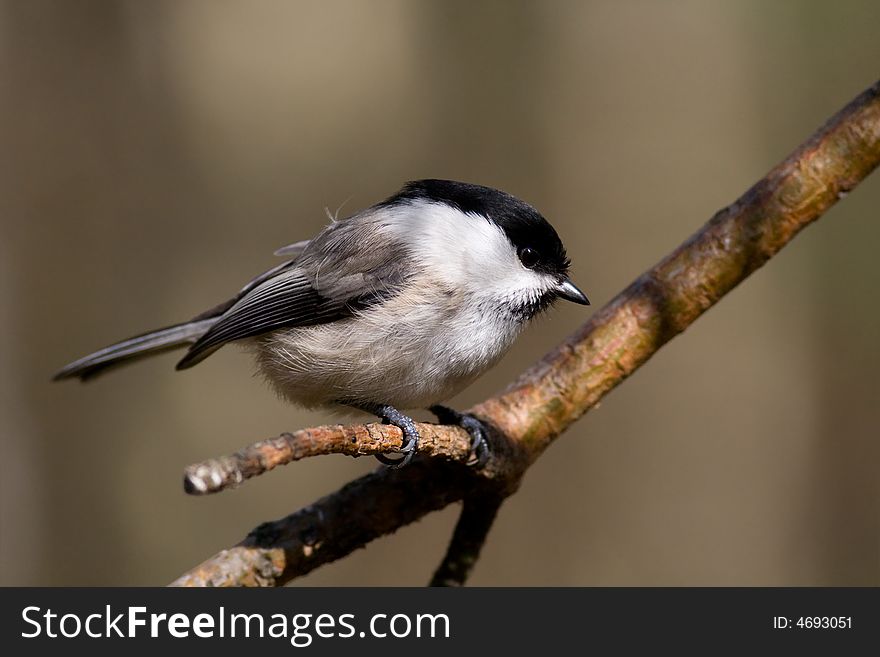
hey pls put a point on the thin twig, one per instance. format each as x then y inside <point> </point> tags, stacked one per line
<point>571,379</point>
<point>217,474</point>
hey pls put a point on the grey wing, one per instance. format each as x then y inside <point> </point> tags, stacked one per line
<point>290,299</point>
<point>291,251</point>
<point>349,266</point>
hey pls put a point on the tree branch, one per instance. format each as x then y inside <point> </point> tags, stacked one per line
<point>571,379</point>
<point>335,525</point>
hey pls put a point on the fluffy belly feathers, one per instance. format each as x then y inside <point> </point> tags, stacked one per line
<point>420,358</point>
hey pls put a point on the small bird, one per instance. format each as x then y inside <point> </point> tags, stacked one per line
<point>398,306</point>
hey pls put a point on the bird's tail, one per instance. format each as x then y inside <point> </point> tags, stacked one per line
<point>140,346</point>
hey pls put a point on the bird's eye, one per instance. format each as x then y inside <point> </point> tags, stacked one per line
<point>529,257</point>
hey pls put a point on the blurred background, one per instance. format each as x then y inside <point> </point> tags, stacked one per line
<point>154,154</point>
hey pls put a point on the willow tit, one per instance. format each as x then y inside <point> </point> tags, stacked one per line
<point>399,306</point>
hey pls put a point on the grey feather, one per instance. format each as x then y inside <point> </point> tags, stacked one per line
<point>293,250</point>
<point>140,346</point>
<point>221,308</point>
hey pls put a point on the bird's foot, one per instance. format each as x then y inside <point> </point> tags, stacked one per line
<point>476,429</point>
<point>392,416</point>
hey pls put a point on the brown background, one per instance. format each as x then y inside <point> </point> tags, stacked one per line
<point>154,154</point>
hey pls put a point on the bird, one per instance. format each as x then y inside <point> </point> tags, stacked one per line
<point>399,306</point>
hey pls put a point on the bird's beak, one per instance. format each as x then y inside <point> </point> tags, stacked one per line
<point>568,290</point>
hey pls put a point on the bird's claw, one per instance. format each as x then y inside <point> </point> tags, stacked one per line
<point>392,416</point>
<point>477,430</point>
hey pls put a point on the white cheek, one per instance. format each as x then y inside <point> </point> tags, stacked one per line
<point>468,253</point>
<point>506,280</point>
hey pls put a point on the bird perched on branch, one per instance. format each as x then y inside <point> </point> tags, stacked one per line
<point>398,306</point>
